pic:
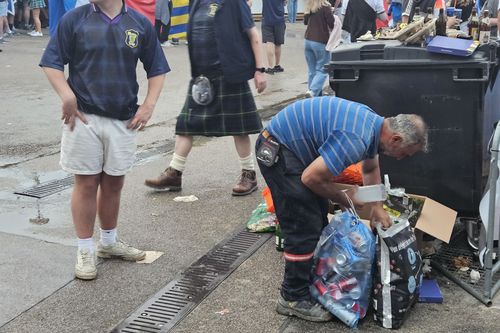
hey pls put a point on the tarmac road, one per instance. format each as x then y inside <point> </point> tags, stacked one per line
<point>37,287</point>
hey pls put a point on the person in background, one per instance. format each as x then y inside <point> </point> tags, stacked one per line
<point>3,19</point>
<point>23,14</point>
<point>101,115</point>
<point>292,11</point>
<point>219,101</point>
<point>360,16</point>
<point>316,139</point>
<point>319,19</point>
<point>273,32</point>
<point>163,16</point>
<point>36,6</point>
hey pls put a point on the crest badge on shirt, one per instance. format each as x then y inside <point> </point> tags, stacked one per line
<point>131,38</point>
<point>212,9</point>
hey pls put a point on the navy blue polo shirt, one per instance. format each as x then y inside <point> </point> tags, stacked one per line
<point>273,12</point>
<point>102,55</point>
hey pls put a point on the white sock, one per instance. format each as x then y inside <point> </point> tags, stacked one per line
<point>178,162</point>
<point>108,237</point>
<point>247,163</point>
<point>87,244</point>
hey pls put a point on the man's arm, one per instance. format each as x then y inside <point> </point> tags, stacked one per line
<point>371,176</point>
<point>69,106</point>
<point>259,78</point>
<point>318,178</point>
<point>145,111</point>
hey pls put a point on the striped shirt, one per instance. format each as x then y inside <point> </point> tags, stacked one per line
<point>340,131</point>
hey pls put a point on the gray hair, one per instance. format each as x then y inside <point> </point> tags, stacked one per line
<point>412,130</point>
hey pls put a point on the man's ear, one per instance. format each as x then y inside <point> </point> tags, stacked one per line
<point>396,139</point>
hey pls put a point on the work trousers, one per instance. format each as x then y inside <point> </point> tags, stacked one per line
<point>302,215</point>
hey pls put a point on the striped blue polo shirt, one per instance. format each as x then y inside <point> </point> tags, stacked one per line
<point>341,131</point>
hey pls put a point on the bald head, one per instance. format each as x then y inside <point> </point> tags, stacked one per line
<point>412,129</point>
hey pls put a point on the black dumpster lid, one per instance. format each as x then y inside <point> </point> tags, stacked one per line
<point>393,52</point>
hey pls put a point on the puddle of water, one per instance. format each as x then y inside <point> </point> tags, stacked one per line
<point>39,219</point>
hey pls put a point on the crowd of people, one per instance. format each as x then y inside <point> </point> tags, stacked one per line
<point>298,153</point>
<point>30,16</point>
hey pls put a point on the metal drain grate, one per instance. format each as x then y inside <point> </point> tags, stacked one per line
<point>48,188</point>
<point>443,262</point>
<point>173,302</point>
<point>53,186</point>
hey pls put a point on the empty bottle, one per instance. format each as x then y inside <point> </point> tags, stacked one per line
<point>441,24</point>
<point>484,28</point>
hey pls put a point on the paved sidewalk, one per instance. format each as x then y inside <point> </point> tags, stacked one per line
<point>37,288</point>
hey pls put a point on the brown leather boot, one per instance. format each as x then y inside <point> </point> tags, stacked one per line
<point>169,180</point>
<point>247,183</point>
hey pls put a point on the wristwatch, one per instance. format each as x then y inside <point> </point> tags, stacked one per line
<point>261,69</point>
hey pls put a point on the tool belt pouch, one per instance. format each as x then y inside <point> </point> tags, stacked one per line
<point>202,91</point>
<point>267,153</point>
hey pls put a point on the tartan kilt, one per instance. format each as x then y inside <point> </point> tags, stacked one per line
<point>232,112</point>
<point>37,4</point>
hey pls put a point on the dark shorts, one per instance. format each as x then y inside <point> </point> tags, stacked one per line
<point>232,112</point>
<point>274,33</point>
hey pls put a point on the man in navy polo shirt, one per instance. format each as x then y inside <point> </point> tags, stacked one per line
<point>273,32</point>
<point>101,43</point>
<point>319,137</point>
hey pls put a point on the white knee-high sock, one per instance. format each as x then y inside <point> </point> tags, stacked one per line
<point>178,162</point>
<point>247,163</point>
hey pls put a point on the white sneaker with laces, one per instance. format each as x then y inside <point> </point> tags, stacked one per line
<point>120,250</point>
<point>309,94</point>
<point>166,44</point>
<point>35,34</point>
<point>85,267</point>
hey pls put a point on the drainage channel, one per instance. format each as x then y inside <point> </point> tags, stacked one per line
<point>50,187</point>
<point>173,302</point>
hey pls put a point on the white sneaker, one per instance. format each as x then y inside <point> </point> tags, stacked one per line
<point>85,267</point>
<point>35,34</point>
<point>120,250</point>
<point>309,94</point>
<point>166,44</point>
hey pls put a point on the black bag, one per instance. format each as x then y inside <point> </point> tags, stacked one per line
<point>398,275</point>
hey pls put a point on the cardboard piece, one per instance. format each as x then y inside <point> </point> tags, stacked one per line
<point>430,292</point>
<point>435,219</point>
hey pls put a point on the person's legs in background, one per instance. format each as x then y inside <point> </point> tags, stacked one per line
<point>26,14</point>
<point>247,182</point>
<point>171,178</point>
<point>322,57</point>
<point>36,21</point>
<point>279,39</point>
<point>311,65</point>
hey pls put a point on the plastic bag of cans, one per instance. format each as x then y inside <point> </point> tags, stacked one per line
<point>342,271</point>
<point>398,276</point>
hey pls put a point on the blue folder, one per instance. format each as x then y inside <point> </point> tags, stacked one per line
<point>452,46</point>
<point>430,292</point>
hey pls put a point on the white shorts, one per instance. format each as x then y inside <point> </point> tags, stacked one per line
<point>104,144</point>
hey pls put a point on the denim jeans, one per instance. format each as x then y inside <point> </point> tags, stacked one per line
<point>316,57</point>
<point>302,215</point>
<point>292,10</point>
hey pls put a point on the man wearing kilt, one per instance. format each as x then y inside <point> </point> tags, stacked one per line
<point>225,52</point>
